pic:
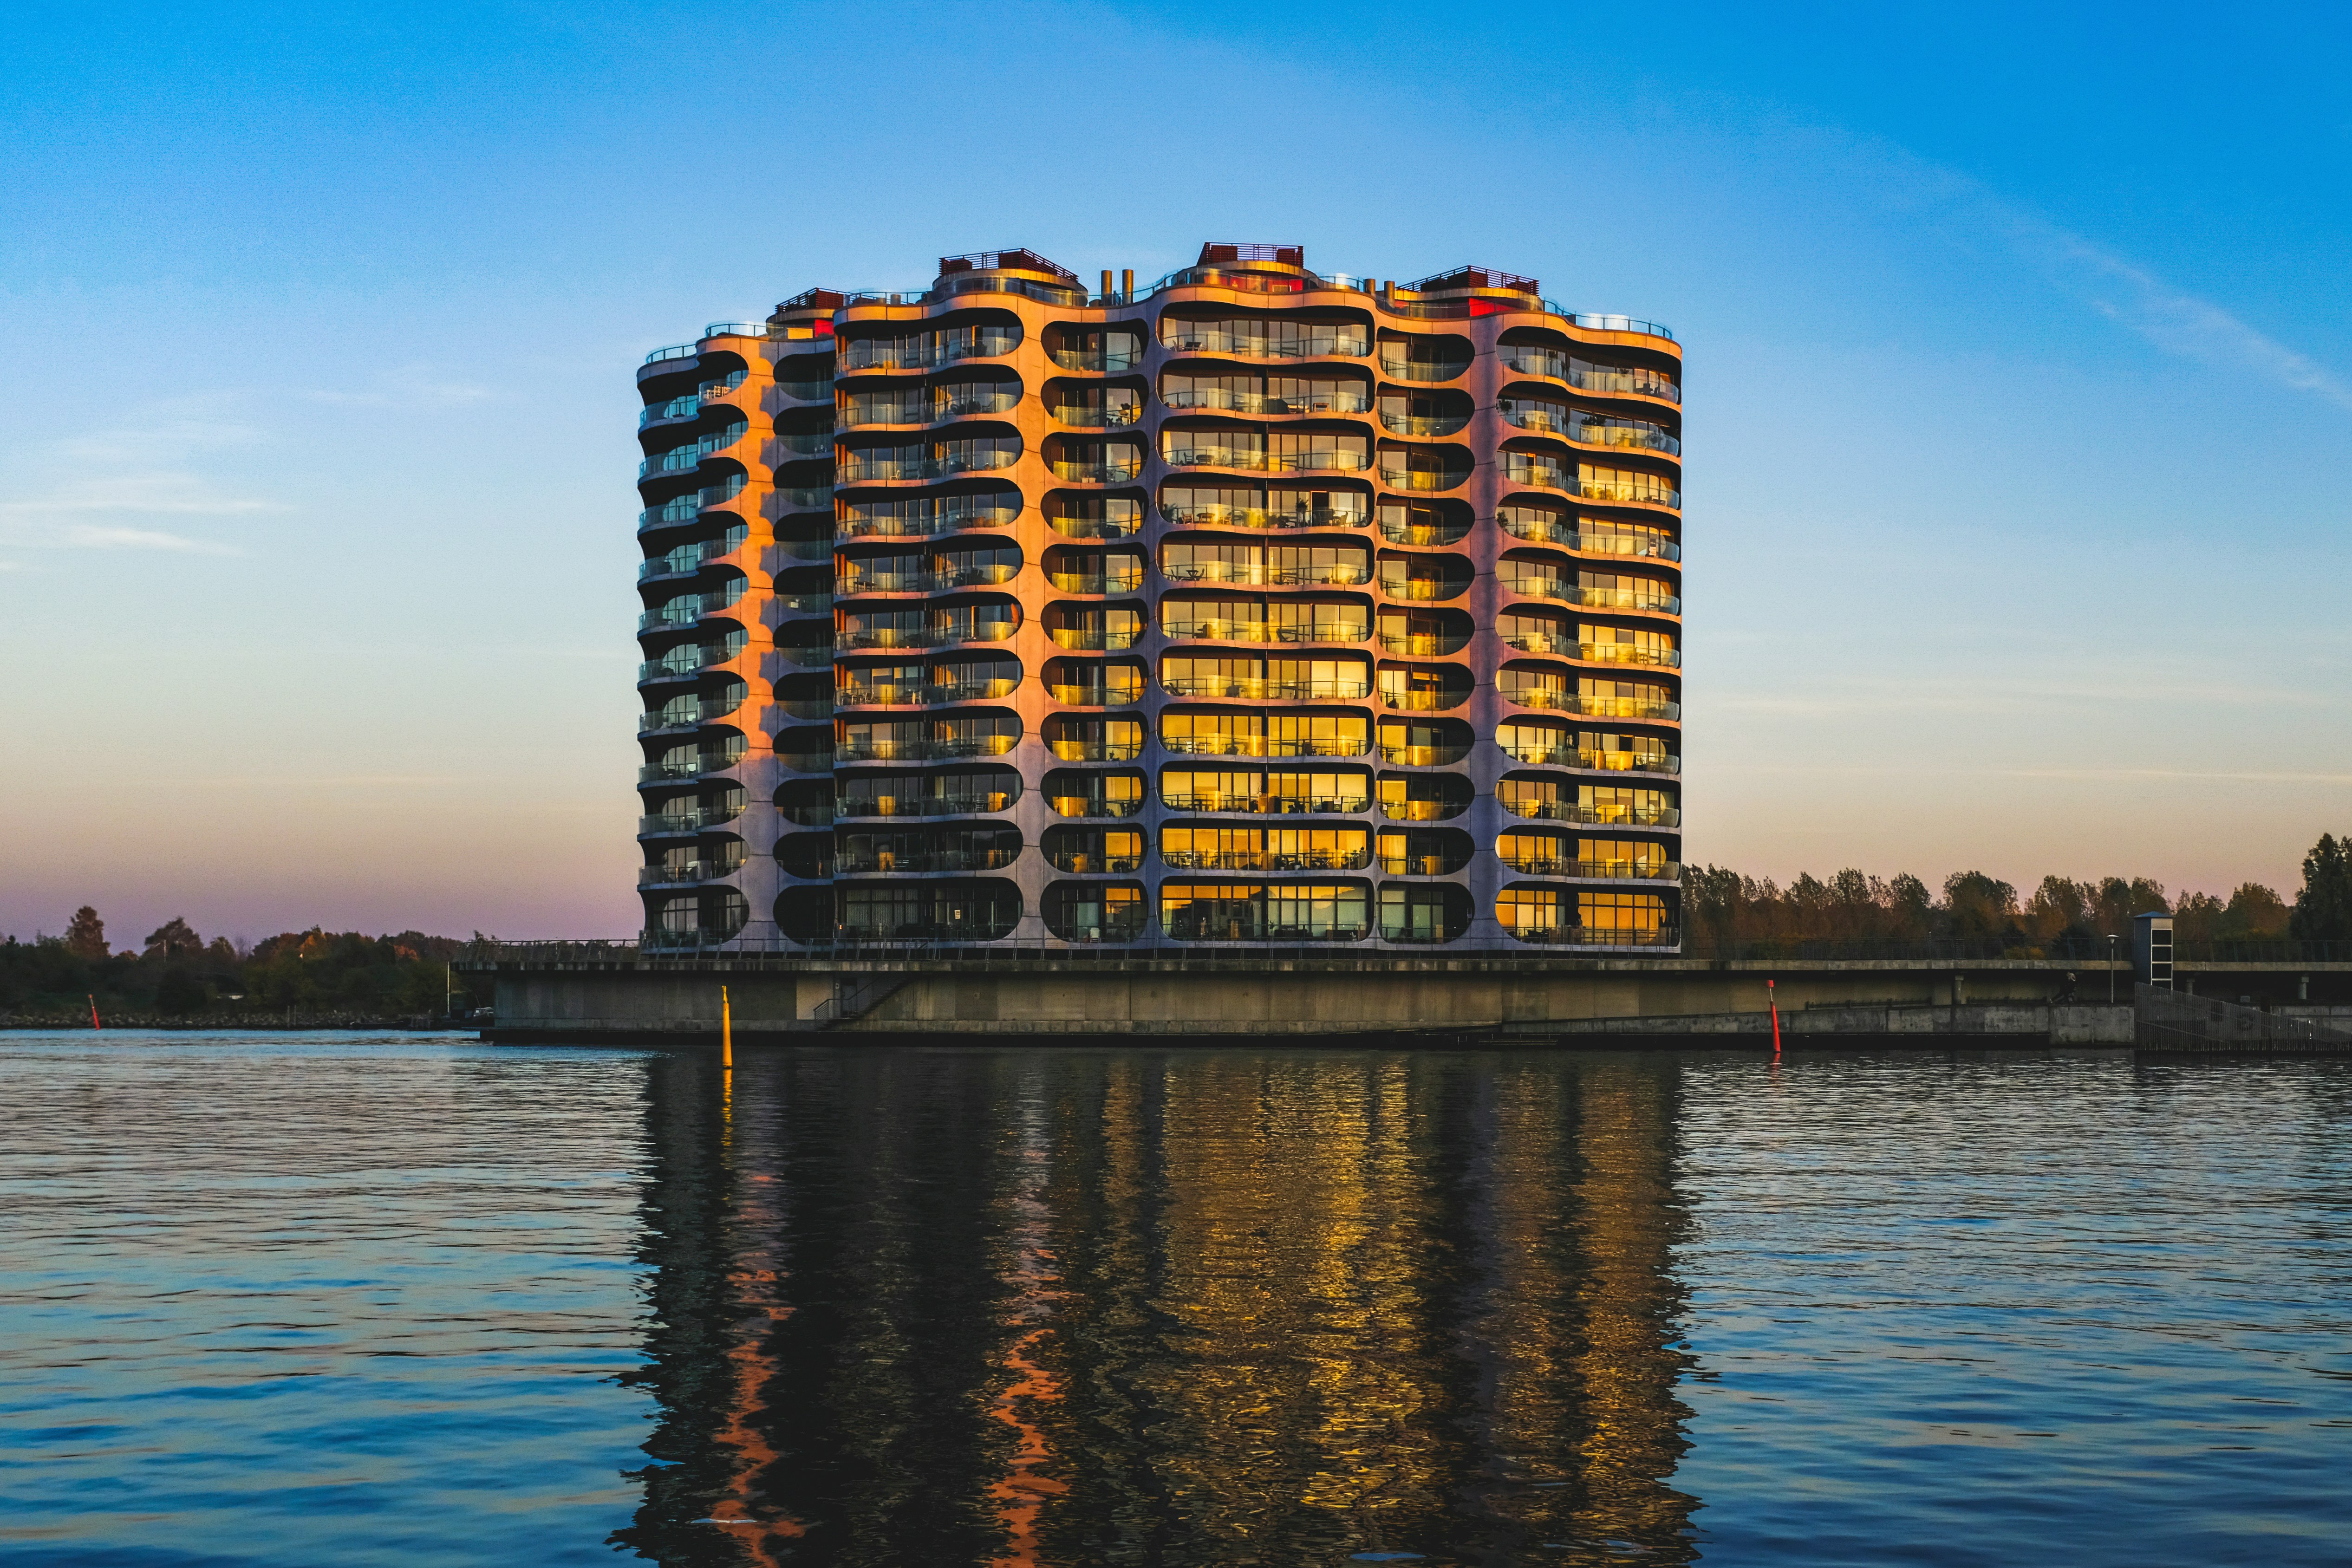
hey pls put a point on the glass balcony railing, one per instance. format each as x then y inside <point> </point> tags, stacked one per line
<point>1560,701</point>
<point>951,515</point>
<point>676,408</point>
<point>1540,474</point>
<point>1216,630</point>
<point>805,658</point>
<point>1093,806</point>
<point>1422,865</point>
<point>1424,645</point>
<point>1401,370</point>
<point>858,582</point>
<point>1251,689</point>
<point>922,636</point>
<point>952,803</point>
<point>1097,582</point>
<point>1604,816</point>
<point>1094,638</point>
<point>1259,574</point>
<point>680,458</point>
<point>1223,401</point>
<point>806,392</point>
<point>1426,702</point>
<point>1531,586</point>
<point>1593,936</point>
<point>872,695</point>
<point>1097,361</point>
<point>688,767</point>
<point>1323,460</point>
<point>1218,516</point>
<point>1426,534</point>
<point>1615,870</point>
<point>1595,652</point>
<point>1263,805</point>
<point>1423,588</point>
<point>923,353</point>
<point>1265,745</point>
<point>1099,473</point>
<point>686,872</point>
<point>807,444</point>
<point>668,823</point>
<point>1565,534</point>
<point>1097,750</point>
<point>1424,756</point>
<point>1078,863</point>
<point>1082,418</point>
<point>1183,338</point>
<point>867,409</point>
<point>854,469</point>
<point>849,864</point>
<point>1265,861</point>
<point>1606,379</point>
<point>1600,761</point>
<point>1423,425</point>
<point>1397,479</point>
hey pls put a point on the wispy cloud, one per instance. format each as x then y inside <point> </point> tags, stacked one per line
<point>411,387</point>
<point>145,467</point>
<point>103,536</point>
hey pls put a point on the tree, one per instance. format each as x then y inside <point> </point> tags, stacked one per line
<point>1978,905</point>
<point>2323,910</point>
<point>2254,912</point>
<point>175,936</point>
<point>86,933</point>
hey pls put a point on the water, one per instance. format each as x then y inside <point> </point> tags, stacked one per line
<point>337,1300</point>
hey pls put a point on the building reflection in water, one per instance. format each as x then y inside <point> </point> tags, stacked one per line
<point>1180,1307</point>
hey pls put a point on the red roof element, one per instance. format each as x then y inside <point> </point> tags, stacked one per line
<point>813,299</point>
<point>1003,261</point>
<point>1280,254</point>
<point>1478,278</point>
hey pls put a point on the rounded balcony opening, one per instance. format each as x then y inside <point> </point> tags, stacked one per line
<point>806,748</point>
<point>1206,504</point>
<point>1096,406</point>
<point>1249,847</point>
<point>1205,330</point>
<point>1210,785</point>
<point>1094,628</point>
<point>1425,467</point>
<point>1075,569</point>
<point>1097,911</point>
<point>808,856</point>
<point>940,622</point>
<point>910,850</point>
<point>956,509</point>
<point>959,732</point>
<point>875,346</point>
<point>804,914</point>
<point>1532,628</point>
<point>1072,738</point>
<point>1423,357</point>
<point>927,792</point>
<point>688,813</point>
<point>805,803</point>
<point>1209,558</point>
<point>1424,852</point>
<point>1425,577</point>
<point>1112,348</point>
<point>1095,682</point>
<point>1423,797</point>
<point>1191,389</point>
<point>991,393</point>
<point>1425,742</point>
<point>1545,915</point>
<point>919,682</point>
<point>1293,449</point>
<point>978,909</point>
<point>884,460</point>
<point>1081,792</point>
<point>1420,634</point>
<point>1260,732</point>
<point>1433,524</point>
<point>1094,851</point>
<point>1253,677</point>
<point>1425,688</point>
<point>1078,516</point>
<point>701,919</point>
<point>1204,616</point>
<point>1426,416</point>
<point>1305,911</point>
<point>876,566</point>
<point>1095,459</point>
<point>1423,914</point>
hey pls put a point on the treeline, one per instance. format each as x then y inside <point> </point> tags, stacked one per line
<point>1725,913</point>
<point>175,973</point>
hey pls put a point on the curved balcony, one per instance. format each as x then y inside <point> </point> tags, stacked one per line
<point>1529,585</point>
<point>1190,338</point>
<point>927,750</point>
<point>1097,361</point>
<point>1096,750</point>
<point>1113,694</point>
<point>1217,400</point>
<point>1567,536</point>
<point>1422,865</point>
<point>867,694</point>
<point>1399,531</point>
<point>1082,639</point>
<point>1424,645</point>
<point>687,872</point>
<point>922,637</point>
<point>1081,806</point>
<point>688,609</point>
<point>805,392</point>
<point>1424,589</point>
<point>1609,381</point>
<point>1263,745</point>
<point>1424,479</point>
<point>801,446</point>
<point>1425,426</point>
<point>665,824</point>
<point>1210,801</point>
<point>700,767</point>
<point>898,862</point>
<point>1096,583</point>
<point>1440,701</point>
<point>1254,690</point>
<point>1592,760</point>
<point>1519,468</point>
<point>1334,574</point>
<point>1424,756</point>
<point>1404,370</point>
<point>1212,630</point>
<point>806,761</point>
<point>1559,701</point>
<point>676,409</point>
<point>1597,816</point>
<point>1222,516</point>
<point>1076,417</point>
<point>1578,936</point>
<point>1082,862</point>
<point>953,803</point>
<point>852,584</point>
<point>931,517</point>
<point>1613,870</point>
<point>927,350</point>
<point>1323,460</point>
<point>1098,473</point>
<point>1264,861</point>
<point>855,470</point>
<point>804,658</point>
<point>804,603</point>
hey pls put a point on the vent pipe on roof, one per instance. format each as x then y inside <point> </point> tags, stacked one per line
<point>1126,284</point>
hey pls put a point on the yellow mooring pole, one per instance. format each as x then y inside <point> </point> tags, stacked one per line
<point>726,1032</point>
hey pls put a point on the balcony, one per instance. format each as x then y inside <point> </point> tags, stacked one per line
<point>928,750</point>
<point>1599,762</point>
<point>1210,800</point>
<point>804,658</point>
<point>1532,586</point>
<point>1611,870</point>
<point>1610,381</point>
<point>928,351</point>
<point>1097,582</point>
<point>678,459</point>
<point>1334,574</point>
<point>1079,863</point>
<point>1425,426</point>
<point>1220,401</point>
<point>894,862</point>
<point>677,408</point>
<point>857,694</point>
<point>1212,629</point>
<point>1438,701</point>
<point>687,873</point>
<point>1424,588</point>
<point>1250,690</point>
<point>854,582</point>
<point>1401,369</point>
<point>952,514</point>
<point>806,761</point>
<point>806,392</point>
<point>1601,816</point>
<point>668,823</point>
<point>1322,460</point>
<point>1264,746</point>
<point>1080,418</point>
<point>1424,756</point>
<point>1099,361</point>
<point>956,803</point>
<point>1096,750</point>
<point>1098,473</point>
<point>688,609</point>
<point>1262,518</point>
<point>1398,478</point>
<point>1581,937</point>
<point>1426,534</point>
<point>1563,533</point>
<point>922,637</point>
<point>1422,865</point>
<point>1424,645</point>
<point>1183,338</point>
<point>689,767</point>
<point>1264,861</point>
<point>1097,696</point>
<point>855,470</point>
<point>1093,806</point>
<point>1559,701</point>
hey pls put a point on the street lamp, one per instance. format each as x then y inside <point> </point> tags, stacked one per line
<point>2111,969</point>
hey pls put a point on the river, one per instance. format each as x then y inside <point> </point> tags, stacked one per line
<point>332,1299</point>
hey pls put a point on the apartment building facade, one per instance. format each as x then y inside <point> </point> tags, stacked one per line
<point>1253,609</point>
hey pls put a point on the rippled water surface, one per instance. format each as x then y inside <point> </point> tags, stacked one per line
<point>314,1299</point>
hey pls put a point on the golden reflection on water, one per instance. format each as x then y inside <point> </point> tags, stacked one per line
<point>1225,1307</point>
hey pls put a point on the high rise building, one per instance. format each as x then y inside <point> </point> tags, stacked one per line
<point>1258,606</point>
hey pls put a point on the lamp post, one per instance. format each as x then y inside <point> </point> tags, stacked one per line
<point>2111,969</point>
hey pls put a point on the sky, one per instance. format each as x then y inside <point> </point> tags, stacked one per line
<point>2019,392</point>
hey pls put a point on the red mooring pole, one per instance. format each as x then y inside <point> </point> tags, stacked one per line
<point>93,1011</point>
<point>1773,997</point>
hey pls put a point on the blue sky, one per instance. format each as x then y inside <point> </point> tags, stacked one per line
<point>2019,393</point>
